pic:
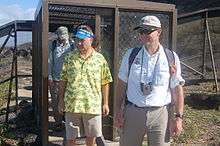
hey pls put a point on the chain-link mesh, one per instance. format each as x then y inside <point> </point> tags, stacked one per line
<point>190,46</point>
<point>107,44</point>
<point>5,63</point>
<point>5,72</point>
<point>24,59</point>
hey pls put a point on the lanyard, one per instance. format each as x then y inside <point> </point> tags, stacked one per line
<point>154,72</point>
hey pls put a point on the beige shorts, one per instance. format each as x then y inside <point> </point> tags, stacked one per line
<point>80,125</point>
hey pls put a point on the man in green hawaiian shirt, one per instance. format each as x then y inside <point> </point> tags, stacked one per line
<point>87,77</point>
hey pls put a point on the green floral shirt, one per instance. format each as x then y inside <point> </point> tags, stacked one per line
<point>84,79</point>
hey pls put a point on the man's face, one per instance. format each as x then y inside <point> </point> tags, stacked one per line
<point>149,37</point>
<point>62,37</point>
<point>83,44</point>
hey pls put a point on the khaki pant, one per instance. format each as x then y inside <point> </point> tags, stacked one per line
<point>152,121</point>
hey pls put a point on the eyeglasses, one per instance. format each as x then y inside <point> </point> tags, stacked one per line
<point>146,31</point>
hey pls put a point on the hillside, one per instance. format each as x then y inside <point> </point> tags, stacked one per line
<point>186,6</point>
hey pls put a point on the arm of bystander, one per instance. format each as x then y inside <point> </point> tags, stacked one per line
<point>105,95</point>
<point>119,103</point>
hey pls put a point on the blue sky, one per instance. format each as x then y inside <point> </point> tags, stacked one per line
<point>17,10</point>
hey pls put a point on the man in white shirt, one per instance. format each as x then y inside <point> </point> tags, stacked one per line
<point>146,86</point>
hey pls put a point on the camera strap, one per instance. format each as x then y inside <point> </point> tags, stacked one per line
<point>169,55</point>
<point>152,82</point>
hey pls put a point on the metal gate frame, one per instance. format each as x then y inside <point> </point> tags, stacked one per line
<point>40,45</point>
<point>203,14</point>
<point>10,30</point>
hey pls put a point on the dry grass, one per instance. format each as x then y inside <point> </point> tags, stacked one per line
<point>201,116</point>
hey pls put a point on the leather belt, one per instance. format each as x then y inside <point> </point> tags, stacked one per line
<point>145,107</point>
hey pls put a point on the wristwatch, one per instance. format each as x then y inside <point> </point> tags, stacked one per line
<point>178,115</point>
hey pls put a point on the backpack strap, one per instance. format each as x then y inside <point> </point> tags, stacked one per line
<point>170,56</point>
<point>132,56</point>
<point>172,68</point>
<point>171,61</point>
<point>54,43</point>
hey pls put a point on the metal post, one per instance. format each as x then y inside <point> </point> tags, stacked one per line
<point>211,54</point>
<point>44,72</point>
<point>173,33</point>
<point>16,66</point>
<point>187,66</point>
<point>10,86</point>
<point>116,66</point>
<point>6,40</point>
<point>204,49</point>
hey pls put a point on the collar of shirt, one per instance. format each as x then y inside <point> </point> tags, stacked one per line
<point>63,44</point>
<point>154,55</point>
<point>90,56</point>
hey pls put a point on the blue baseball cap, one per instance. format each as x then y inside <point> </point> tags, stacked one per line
<point>82,34</point>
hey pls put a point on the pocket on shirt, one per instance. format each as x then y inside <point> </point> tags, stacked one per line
<point>162,79</point>
<point>135,71</point>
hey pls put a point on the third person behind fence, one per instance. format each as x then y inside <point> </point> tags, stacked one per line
<point>146,81</point>
<point>58,49</point>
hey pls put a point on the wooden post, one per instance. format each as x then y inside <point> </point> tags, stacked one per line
<point>98,31</point>
<point>211,54</point>
<point>204,49</point>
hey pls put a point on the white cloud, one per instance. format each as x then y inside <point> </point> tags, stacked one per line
<point>15,12</point>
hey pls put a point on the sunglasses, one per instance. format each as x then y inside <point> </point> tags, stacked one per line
<point>146,31</point>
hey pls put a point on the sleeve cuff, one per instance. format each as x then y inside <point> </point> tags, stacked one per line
<point>175,81</point>
<point>124,79</point>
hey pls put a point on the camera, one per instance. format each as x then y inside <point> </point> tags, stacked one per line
<point>146,88</point>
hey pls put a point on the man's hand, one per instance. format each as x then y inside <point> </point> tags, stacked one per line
<point>118,119</point>
<point>176,127</point>
<point>119,103</point>
<point>105,110</point>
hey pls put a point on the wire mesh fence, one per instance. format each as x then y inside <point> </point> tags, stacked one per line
<point>192,41</point>
<point>15,61</point>
<point>6,61</point>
